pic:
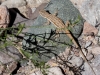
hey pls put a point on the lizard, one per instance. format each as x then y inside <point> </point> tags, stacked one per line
<point>60,25</point>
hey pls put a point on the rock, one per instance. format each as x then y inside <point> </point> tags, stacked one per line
<point>87,70</point>
<point>95,63</point>
<point>9,54</point>
<point>2,68</point>
<point>10,68</point>
<point>34,12</point>
<point>54,71</point>
<point>23,10</point>
<point>36,3</point>
<point>31,13</point>
<point>89,28</point>
<point>4,17</point>
<point>24,5</point>
<point>44,35</point>
<point>88,43</point>
<point>2,0</point>
<point>52,63</point>
<point>32,8</point>
<point>76,61</point>
<point>89,9</point>
<point>14,4</point>
<point>89,56</point>
<point>95,50</point>
<point>36,73</point>
<point>28,69</point>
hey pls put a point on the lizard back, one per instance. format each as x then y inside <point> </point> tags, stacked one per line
<point>53,19</point>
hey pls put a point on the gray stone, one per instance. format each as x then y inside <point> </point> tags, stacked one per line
<point>88,43</point>
<point>54,71</point>
<point>9,54</point>
<point>89,9</point>
<point>23,5</point>
<point>36,3</point>
<point>42,37</point>
<point>14,3</point>
<point>95,63</point>
<point>76,61</point>
<point>36,73</point>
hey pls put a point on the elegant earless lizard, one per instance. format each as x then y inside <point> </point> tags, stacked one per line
<point>60,25</point>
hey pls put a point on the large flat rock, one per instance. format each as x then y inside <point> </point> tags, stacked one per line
<point>41,38</point>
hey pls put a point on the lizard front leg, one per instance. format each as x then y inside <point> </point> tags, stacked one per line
<point>55,14</point>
